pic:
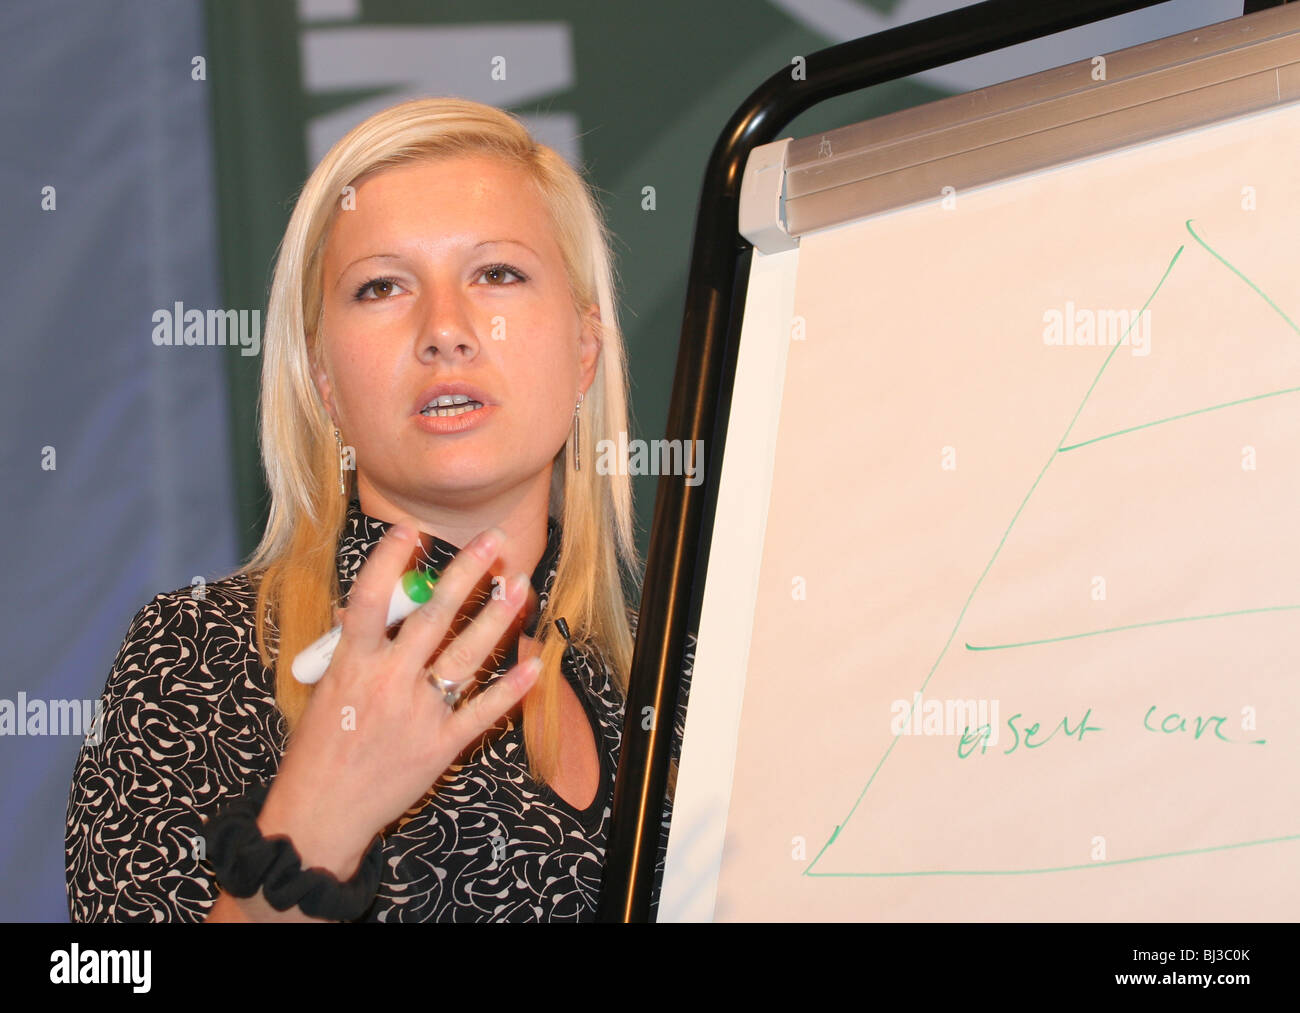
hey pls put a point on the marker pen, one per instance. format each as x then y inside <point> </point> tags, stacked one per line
<point>409,593</point>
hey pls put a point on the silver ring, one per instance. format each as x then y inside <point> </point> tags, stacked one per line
<point>451,691</point>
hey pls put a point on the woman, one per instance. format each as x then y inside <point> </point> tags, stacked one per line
<point>442,356</point>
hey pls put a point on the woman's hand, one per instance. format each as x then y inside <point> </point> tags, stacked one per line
<point>376,733</point>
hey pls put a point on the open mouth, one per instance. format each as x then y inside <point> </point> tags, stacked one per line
<point>449,405</point>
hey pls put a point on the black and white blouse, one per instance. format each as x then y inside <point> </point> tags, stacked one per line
<point>190,723</point>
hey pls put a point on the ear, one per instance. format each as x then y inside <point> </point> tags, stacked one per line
<point>589,347</point>
<point>323,386</point>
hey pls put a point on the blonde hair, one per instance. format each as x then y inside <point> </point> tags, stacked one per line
<point>295,562</point>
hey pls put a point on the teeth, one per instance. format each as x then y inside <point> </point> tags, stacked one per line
<point>444,408</point>
<point>448,401</point>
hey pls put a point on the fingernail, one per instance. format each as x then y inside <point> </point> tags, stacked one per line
<point>518,583</point>
<point>489,542</point>
<point>402,531</point>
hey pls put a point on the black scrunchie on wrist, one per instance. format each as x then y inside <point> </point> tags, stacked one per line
<point>246,862</point>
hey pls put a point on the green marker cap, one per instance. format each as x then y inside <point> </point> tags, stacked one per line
<point>418,584</point>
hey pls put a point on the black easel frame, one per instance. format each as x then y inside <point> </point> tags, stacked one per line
<point>683,519</point>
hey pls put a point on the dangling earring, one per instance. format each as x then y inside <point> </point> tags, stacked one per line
<point>577,435</point>
<point>343,489</point>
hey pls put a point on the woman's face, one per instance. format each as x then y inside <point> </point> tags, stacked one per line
<point>447,272</point>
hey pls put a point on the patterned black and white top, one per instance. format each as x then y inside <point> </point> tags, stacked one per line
<point>190,723</point>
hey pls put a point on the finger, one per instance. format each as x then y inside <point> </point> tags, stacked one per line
<point>426,627</point>
<point>365,620</point>
<point>462,658</point>
<point>483,710</point>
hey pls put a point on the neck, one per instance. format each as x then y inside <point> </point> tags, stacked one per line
<point>521,514</point>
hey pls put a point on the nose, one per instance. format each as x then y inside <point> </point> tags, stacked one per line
<point>448,329</point>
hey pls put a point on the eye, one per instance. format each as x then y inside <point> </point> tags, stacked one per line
<point>378,284</point>
<point>499,269</point>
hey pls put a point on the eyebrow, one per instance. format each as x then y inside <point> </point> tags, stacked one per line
<point>398,256</point>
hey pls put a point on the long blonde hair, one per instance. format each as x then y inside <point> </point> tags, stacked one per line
<point>294,565</point>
